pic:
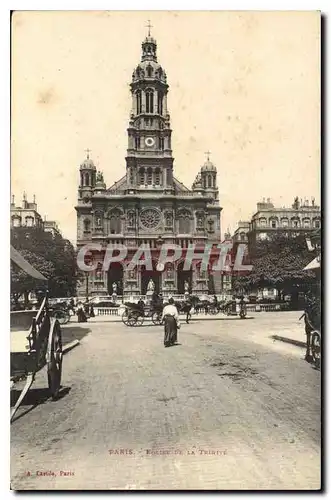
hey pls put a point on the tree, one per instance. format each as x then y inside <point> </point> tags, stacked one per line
<point>278,262</point>
<point>52,255</point>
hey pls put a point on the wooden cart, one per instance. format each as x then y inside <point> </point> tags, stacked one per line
<point>35,342</point>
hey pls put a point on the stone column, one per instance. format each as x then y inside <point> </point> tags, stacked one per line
<point>143,101</point>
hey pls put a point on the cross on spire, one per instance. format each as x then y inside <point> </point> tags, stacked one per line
<point>149,26</point>
<point>207,153</point>
<point>88,151</point>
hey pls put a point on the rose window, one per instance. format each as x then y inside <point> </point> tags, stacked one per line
<point>150,218</point>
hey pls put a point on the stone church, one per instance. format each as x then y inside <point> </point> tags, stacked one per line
<point>148,204</point>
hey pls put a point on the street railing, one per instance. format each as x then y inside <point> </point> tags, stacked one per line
<point>106,311</point>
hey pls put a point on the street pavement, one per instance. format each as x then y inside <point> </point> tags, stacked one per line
<point>228,408</point>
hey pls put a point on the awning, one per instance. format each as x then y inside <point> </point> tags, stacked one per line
<point>16,257</point>
<point>314,264</point>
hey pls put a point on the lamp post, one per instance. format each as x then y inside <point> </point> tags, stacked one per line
<point>86,285</point>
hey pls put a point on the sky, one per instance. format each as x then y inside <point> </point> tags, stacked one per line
<point>243,85</point>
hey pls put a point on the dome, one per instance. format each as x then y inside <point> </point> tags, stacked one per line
<point>88,164</point>
<point>149,69</point>
<point>208,165</point>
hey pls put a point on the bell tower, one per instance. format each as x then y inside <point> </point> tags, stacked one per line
<point>149,161</point>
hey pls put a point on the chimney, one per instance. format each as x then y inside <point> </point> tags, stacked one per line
<point>13,200</point>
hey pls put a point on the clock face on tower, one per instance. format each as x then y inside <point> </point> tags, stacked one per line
<point>149,141</point>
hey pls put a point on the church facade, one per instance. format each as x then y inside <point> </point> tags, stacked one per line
<point>148,204</point>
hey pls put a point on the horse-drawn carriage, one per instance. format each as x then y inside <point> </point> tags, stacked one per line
<point>135,314</point>
<point>35,342</point>
<point>312,312</point>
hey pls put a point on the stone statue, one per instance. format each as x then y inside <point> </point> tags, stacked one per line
<point>151,286</point>
<point>186,287</point>
<point>131,219</point>
<point>114,286</point>
<point>169,219</point>
<point>200,220</point>
<point>99,176</point>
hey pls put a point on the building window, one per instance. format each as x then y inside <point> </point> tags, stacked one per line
<point>131,176</point>
<point>29,221</point>
<point>138,99</point>
<point>137,142</point>
<point>184,222</point>
<point>295,223</point>
<point>317,223</point>
<point>16,221</point>
<point>242,236</point>
<point>149,71</point>
<point>115,225</point>
<point>149,176</point>
<point>161,143</point>
<point>273,223</point>
<point>209,181</point>
<point>263,222</point>
<point>86,225</point>
<point>157,177</point>
<point>306,223</point>
<point>142,176</point>
<point>284,222</point>
<point>160,103</point>
<point>149,101</point>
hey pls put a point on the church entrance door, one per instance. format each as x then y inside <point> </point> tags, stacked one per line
<point>115,275</point>
<point>183,276</point>
<point>146,275</point>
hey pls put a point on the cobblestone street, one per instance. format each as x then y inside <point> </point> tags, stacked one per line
<point>227,408</point>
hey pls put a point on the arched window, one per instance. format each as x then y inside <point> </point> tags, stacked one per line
<point>157,177</point>
<point>273,222</point>
<point>87,179</point>
<point>161,143</point>
<point>306,223</point>
<point>149,176</point>
<point>184,222</point>
<point>149,71</point>
<point>142,176</point>
<point>149,101</point>
<point>160,103</point>
<point>317,223</point>
<point>209,181</point>
<point>242,236</point>
<point>284,222</point>
<point>16,220</point>
<point>295,222</point>
<point>115,225</point>
<point>138,101</point>
<point>263,222</point>
<point>137,142</point>
<point>86,225</point>
<point>29,221</point>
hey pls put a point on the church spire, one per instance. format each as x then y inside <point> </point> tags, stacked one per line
<point>149,46</point>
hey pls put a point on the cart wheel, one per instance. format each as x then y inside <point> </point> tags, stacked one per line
<point>125,317</point>
<point>132,319</point>
<point>316,348</point>
<point>139,320</point>
<point>54,359</point>
<point>157,318</point>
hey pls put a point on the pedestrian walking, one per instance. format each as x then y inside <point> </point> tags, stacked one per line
<point>81,316</point>
<point>171,323</point>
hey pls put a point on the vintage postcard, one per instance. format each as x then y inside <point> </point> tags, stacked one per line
<point>165,226</point>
